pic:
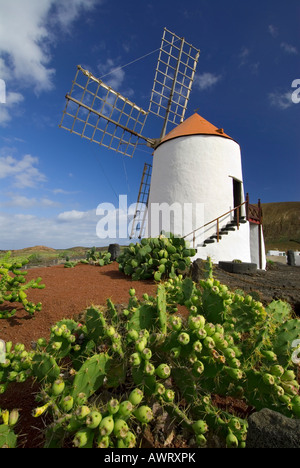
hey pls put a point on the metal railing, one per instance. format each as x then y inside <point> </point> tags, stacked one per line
<point>217,220</point>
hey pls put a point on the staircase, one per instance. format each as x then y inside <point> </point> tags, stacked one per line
<point>224,231</point>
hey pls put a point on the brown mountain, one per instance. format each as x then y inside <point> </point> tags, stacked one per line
<point>281,225</point>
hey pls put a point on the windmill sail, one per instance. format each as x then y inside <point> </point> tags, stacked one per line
<point>97,112</point>
<point>173,79</point>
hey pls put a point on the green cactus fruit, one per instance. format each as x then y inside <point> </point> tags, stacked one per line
<point>125,408</point>
<point>234,424</point>
<point>129,440</point>
<point>133,334</point>
<point>235,374</point>
<point>146,354</point>
<point>169,395</point>
<point>196,321</point>
<point>13,417</point>
<point>231,440</point>
<point>66,403</point>
<point>140,344</point>
<point>103,442</point>
<point>121,428</point>
<point>82,438</point>
<point>288,375</point>
<point>93,419</point>
<point>176,323</point>
<point>268,379</point>
<point>82,412</point>
<point>136,396</point>
<point>290,387</point>
<point>183,338</point>
<point>113,406</point>
<point>110,331</point>
<point>159,389</point>
<point>229,353</point>
<point>135,359</point>
<point>81,398</point>
<point>149,368</point>
<point>36,412</point>
<point>277,370</point>
<point>106,426</point>
<point>157,276</point>
<point>175,352</point>
<point>279,390</point>
<point>201,333</point>
<point>269,355</point>
<point>58,387</point>
<point>209,328</point>
<point>200,427</point>
<point>131,292</point>
<point>296,406</point>
<point>163,371</point>
<point>286,399</point>
<point>201,440</point>
<point>197,346</point>
<point>143,414</point>
<point>198,368</point>
<point>208,342</point>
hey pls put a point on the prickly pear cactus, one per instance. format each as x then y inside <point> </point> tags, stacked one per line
<point>91,375</point>
<point>124,362</point>
<point>8,438</point>
<point>45,367</point>
<point>157,258</point>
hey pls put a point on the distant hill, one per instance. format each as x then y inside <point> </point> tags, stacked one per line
<point>281,225</point>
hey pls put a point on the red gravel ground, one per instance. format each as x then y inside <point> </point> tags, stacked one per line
<point>68,292</point>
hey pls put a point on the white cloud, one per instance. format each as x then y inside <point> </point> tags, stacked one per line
<point>111,74</point>
<point>21,201</point>
<point>22,171</point>
<point>26,35</point>
<point>10,107</point>
<point>206,80</point>
<point>289,49</point>
<point>273,30</point>
<point>20,231</point>
<point>60,191</point>
<point>281,100</point>
<point>72,215</point>
<point>67,229</point>
<point>243,56</point>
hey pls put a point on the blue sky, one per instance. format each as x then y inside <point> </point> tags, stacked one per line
<point>51,182</point>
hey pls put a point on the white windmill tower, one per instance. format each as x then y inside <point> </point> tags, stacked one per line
<point>196,186</point>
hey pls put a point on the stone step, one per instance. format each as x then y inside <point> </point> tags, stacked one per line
<point>209,241</point>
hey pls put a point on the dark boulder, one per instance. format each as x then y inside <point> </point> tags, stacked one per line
<point>114,250</point>
<point>269,429</point>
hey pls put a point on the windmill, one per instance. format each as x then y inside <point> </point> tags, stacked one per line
<point>195,164</point>
<point>100,114</point>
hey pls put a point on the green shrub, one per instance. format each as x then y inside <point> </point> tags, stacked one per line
<point>160,257</point>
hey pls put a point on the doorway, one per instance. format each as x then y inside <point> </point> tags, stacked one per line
<point>237,196</point>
